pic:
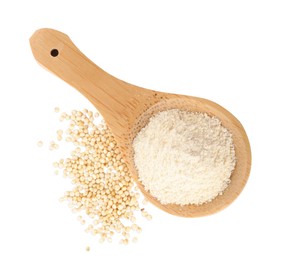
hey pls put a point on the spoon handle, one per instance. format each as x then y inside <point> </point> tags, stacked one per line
<point>57,53</point>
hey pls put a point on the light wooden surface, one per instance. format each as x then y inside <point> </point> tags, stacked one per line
<point>127,108</point>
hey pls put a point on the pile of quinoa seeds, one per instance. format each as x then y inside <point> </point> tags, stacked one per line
<point>104,195</point>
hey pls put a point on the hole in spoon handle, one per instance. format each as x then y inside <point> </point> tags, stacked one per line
<point>54,52</point>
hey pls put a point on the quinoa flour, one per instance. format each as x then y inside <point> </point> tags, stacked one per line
<point>184,157</point>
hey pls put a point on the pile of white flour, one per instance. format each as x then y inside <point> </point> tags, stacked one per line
<point>184,157</point>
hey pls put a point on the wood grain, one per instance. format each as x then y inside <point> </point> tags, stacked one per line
<point>127,108</point>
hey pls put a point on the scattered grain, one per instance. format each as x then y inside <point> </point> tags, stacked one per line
<point>103,188</point>
<point>145,201</point>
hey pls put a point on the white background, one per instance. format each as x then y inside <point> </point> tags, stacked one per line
<point>226,51</point>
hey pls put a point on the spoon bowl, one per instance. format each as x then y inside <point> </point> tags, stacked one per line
<point>127,108</point>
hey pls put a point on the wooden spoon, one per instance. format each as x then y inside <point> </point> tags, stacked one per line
<point>127,109</point>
